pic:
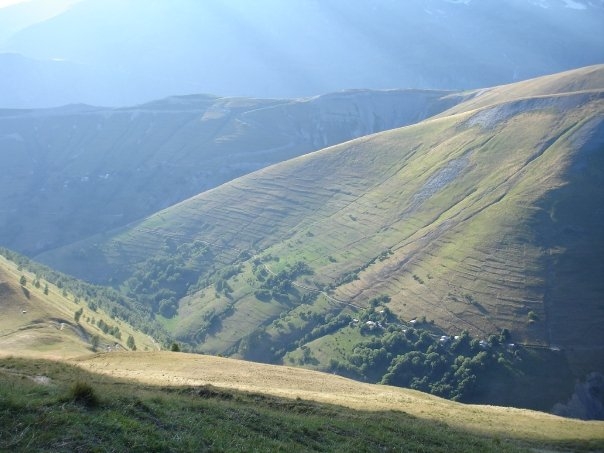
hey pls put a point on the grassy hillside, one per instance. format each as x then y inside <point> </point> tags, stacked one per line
<point>41,320</point>
<point>80,170</point>
<point>173,401</point>
<point>583,79</point>
<point>480,220</point>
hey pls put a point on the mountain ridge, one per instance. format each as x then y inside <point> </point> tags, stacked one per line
<point>70,162</point>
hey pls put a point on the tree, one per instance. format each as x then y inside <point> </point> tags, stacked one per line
<point>505,336</point>
<point>23,280</point>
<point>94,341</point>
<point>175,347</point>
<point>46,289</point>
<point>77,315</point>
<point>130,343</point>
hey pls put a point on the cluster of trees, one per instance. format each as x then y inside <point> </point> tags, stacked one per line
<point>325,325</point>
<point>221,284</point>
<point>290,331</point>
<point>279,286</point>
<point>131,343</point>
<point>161,281</point>
<point>416,358</point>
<point>108,329</point>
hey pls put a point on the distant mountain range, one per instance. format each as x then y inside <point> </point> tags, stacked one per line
<point>118,52</point>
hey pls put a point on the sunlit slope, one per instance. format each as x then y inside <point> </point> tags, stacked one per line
<point>481,220</point>
<point>38,320</point>
<point>583,79</point>
<point>165,368</point>
<point>79,170</point>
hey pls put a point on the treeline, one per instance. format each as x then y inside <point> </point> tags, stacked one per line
<point>278,286</point>
<point>354,274</point>
<point>108,299</point>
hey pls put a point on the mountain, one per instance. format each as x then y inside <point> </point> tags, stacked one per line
<point>80,170</point>
<point>483,219</point>
<point>130,52</point>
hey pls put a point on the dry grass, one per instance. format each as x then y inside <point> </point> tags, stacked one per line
<point>178,369</point>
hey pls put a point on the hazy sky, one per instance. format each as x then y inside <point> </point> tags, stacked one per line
<point>124,52</point>
<point>5,3</point>
<point>47,5</point>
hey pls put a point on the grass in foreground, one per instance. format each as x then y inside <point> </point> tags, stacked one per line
<point>48,406</point>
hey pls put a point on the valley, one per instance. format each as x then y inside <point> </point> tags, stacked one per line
<point>452,218</point>
<point>470,223</point>
<point>59,387</point>
<point>302,225</point>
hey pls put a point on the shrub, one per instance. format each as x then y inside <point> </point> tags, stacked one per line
<point>83,393</point>
<point>263,295</point>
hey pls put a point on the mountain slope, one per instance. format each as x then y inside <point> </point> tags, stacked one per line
<point>81,170</point>
<point>172,406</point>
<point>578,80</point>
<point>479,220</point>
<point>192,370</point>
<point>40,319</point>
